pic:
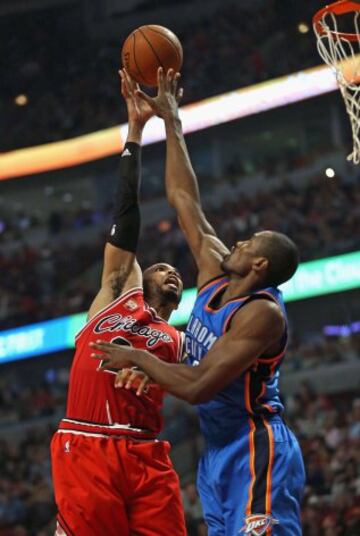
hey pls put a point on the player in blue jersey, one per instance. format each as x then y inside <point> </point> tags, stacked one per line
<point>251,474</point>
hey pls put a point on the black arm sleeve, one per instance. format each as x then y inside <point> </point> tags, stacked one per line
<point>125,228</point>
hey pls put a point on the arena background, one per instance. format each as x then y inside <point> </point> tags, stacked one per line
<point>283,168</point>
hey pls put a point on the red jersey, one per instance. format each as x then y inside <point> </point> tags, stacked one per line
<point>94,406</point>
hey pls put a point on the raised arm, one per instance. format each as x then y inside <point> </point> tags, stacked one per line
<point>181,183</point>
<point>120,269</point>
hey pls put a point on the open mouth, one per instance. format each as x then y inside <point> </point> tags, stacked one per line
<point>172,282</point>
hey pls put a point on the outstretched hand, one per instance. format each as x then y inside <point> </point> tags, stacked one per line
<point>112,356</point>
<point>165,104</point>
<point>139,111</point>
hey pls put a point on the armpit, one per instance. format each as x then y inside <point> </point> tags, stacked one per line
<point>117,282</point>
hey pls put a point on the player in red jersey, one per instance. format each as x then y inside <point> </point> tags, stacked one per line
<point>251,475</point>
<point>111,476</point>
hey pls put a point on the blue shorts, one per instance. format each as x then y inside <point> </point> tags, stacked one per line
<point>254,484</point>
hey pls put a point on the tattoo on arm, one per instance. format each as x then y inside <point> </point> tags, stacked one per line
<point>117,282</point>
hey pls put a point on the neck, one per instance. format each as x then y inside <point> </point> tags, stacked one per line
<point>163,310</point>
<point>239,287</point>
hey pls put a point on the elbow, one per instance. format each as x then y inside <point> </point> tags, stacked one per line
<point>200,399</point>
<point>187,395</point>
<point>196,395</point>
<point>171,195</point>
<point>191,399</point>
<point>179,198</point>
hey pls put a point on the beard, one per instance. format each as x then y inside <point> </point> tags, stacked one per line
<point>164,295</point>
<point>170,296</point>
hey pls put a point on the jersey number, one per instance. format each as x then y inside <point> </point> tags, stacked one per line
<point>121,342</point>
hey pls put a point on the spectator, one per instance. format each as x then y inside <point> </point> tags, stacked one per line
<point>38,283</point>
<point>60,64</point>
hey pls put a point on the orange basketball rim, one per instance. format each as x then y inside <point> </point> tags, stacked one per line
<point>337,30</point>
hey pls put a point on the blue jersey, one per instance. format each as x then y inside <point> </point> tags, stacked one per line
<point>243,476</point>
<point>255,392</point>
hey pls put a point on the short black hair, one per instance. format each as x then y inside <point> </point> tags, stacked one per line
<point>283,256</point>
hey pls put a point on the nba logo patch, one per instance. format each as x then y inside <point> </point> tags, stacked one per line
<point>257,524</point>
<point>131,305</point>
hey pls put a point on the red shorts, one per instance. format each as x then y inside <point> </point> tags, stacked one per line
<point>115,487</point>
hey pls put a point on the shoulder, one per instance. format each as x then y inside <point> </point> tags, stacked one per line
<point>105,302</point>
<point>211,283</point>
<point>259,318</point>
<point>133,299</point>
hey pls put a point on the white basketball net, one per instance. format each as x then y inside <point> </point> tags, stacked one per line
<point>343,56</point>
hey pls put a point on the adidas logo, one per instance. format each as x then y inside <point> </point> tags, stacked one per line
<point>126,153</point>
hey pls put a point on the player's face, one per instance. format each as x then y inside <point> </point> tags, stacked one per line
<point>243,255</point>
<point>164,279</point>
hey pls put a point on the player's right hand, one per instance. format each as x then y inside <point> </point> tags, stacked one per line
<point>133,378</point>
<point>165,104</point>
<point>139,111</point>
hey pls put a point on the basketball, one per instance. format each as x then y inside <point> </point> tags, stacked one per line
<point>146,49</point>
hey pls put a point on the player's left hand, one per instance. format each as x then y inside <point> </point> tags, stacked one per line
<point>139,111</point>
<point>133,378</point>
<point>112,355</point>
<point>166,102</point>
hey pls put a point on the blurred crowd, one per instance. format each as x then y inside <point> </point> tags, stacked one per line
<point>26,498</point>
<point>38,282</point>
<point>328,427</point>
<point>329,431</point>
<point>321,351</point>
<point>70,78</point>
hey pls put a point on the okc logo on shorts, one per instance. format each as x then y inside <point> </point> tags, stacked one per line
<point>257,524</point>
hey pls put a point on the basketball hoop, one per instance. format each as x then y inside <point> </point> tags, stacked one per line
<point>341,51</point>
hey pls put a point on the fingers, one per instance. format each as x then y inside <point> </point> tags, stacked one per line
<point>143,387</point>
<point>104,357</point>
<point>97,356</point>
<point>124,91</point>
<point>128,85</point>
<point>106,364</point>
<point>127,79</point>
<point>103,346</point>
<point>122,377</point>
<point>174,84</point>
<point>129,378</point>
<point>171,81</point>
<point>179,94</point>
<point>139,93</point>
<point>103,364</point>
<point>160,80</point>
